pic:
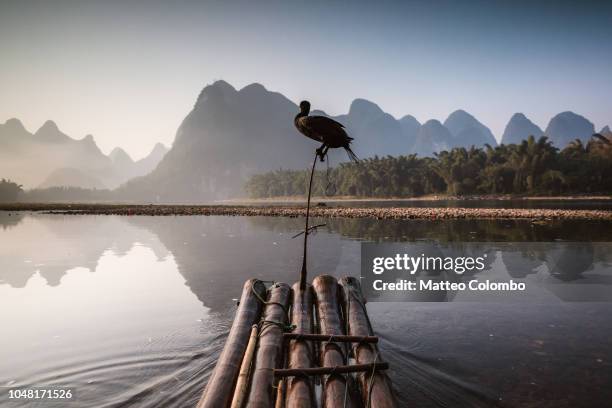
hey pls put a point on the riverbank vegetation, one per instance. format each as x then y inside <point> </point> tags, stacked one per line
<point>9,191</point>
<point>531,168</point>
<point>534,167</point>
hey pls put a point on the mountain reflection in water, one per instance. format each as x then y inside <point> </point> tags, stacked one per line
<point>96,301</point>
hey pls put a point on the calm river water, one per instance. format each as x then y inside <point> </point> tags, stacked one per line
<point>133,311</point>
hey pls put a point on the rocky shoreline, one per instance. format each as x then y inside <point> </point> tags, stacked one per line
<point>323,212</point>
<point>431,197</point>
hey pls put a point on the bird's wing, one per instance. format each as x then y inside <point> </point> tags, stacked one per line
<point>331,131</point>
<point>324,120</point>
<point>325,128</point>
<point>307,129</point>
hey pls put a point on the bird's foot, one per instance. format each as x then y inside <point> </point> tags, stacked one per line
<point>321,154</point>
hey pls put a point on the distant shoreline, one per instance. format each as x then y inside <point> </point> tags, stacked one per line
<point>293,211</point>
<point>436,197</point>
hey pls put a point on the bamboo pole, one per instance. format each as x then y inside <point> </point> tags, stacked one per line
<point>280,395</point>
<point>243,378</point>
<point>300,391</point>
<point>268,355</point>
<point>219,390</point>
<point>336,338</point>
<point>304,271</point>
<point>336,391</point>
<point>375,386</point>
<point>312,371</point>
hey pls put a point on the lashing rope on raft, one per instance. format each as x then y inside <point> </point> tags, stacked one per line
<point>287,328</point>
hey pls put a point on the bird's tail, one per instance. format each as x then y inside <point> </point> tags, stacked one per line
<point>351,154</point>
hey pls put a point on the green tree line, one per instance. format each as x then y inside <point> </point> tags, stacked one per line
<point>534,166</point>
<point>9,191</point>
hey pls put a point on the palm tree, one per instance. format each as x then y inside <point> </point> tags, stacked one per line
<point>529,160</point>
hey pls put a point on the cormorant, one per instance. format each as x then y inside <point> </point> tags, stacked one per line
<point>324,130</point>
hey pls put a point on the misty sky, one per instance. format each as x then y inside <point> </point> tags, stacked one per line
<point>129,71</point>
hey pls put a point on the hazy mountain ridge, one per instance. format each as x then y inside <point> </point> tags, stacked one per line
<point>378,132</point>
<point>432,137</point>
<point>410,128</point>
<point>232,134</point>
<point>468,131</point>
<point>519,128</point>
<point>566,127</point>
<point>49,157</point>
<point>228,136</point>
<point>129,168</point>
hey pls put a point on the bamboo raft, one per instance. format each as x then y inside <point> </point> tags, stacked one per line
<point>306,346</point>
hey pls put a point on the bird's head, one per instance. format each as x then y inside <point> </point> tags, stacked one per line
<point>305,107</point>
